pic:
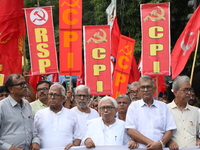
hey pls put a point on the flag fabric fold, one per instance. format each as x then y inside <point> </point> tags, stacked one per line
<point>12,28</point>
<point>115,37</point>
<point>185,44</point>
<point>134,72</point>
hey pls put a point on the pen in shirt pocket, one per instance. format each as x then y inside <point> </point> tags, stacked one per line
<point>115,138</point>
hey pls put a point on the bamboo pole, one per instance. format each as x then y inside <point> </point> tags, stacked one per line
<point>194,60</point>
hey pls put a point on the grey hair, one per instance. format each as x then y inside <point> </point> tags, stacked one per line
<point>105,98</point>
<point>146,78</point>
<point>124,96</point>
<point>82,88</point>
<point>178,80</point>
<point>135,83</point>
<point>62,89</point>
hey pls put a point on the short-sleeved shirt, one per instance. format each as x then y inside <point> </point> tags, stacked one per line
<point>37,105</point>
<point>187,122</point>
<point>151,121</point>
<point>16,124</point>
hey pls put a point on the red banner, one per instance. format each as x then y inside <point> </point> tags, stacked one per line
<point>123,65</point>
<point>155,20</point>
<point>70,20</point>
<point>12,28</point>
<point>41,40</point>
<point>97,59</point>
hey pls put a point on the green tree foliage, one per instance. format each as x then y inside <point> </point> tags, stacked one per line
<point>128,13</point>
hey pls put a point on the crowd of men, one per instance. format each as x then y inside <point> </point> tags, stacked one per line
<point>134,119</point>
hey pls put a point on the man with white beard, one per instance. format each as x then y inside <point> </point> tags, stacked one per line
<point>83,112</point>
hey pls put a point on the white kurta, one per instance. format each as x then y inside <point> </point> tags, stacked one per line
<point>57,130</point>
<point>102,134</point>
<point>151,121</point>
<point>84,117</point>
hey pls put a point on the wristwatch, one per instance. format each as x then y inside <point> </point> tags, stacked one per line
<point>162,144</point>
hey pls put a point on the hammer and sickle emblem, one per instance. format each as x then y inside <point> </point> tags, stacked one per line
<point>71,5</point>
<point>127,51</point>
<point>39,17</point>
<point>156,15</point>
<point>97,38</point>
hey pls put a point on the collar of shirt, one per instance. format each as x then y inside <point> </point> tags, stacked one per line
<point>175,106</point>
<point>14,102</point>
<point>40,103</point>
<point>142,103</point>
<point>56,113</point>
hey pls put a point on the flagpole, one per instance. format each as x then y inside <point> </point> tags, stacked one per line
<point>24,57</point>
<point>157,87</point>
<point>194,60</point>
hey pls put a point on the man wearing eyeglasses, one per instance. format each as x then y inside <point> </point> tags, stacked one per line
<point>133,91</point>
<point>107,130</point>
<point>185,116</point>
<point>56,125</point>
<point>149,122</point>
<point>16,117</point>
<point>83,112</point>
<point>42,89</point>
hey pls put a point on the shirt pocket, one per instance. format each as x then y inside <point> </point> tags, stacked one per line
<point>191,127</point>
<point>159,123</point>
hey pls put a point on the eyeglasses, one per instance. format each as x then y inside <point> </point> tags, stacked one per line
<point>148,87</point>
<point>3,95</point>
<point>186,90</point>
<point>79,96</point>
<point>122,103</point>
<point>22,84</point>
<point>54,95</point>
<point>108,108</point>
<point>42,89</point>
<point>133,92</point>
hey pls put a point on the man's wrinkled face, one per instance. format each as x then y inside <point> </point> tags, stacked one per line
<point>107,110</point>
<point>134,93</point>
<point>82,98</point>
<point>146,89</point>
<point>184,92</point>
<point>42,91</point>
<point>123,104</point>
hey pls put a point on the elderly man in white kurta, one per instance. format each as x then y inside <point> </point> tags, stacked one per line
<point>107,130</point>
<point>82,111</point>
<point>57,126</point>
<point>148,121</point>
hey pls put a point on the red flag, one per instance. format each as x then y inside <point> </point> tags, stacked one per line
<point>185,44</point>
<point>55,77</point>
<point>115,36</point>
<point>33,80</point>
<point>80,79</point>
<point>134,72</point>
<point>161,84</point>
<point>12,27</point>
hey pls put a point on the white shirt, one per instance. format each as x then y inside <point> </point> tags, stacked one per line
<point>56,130</point>
<point>84,117</point>
<point>102,134</point>
<point>151,121</point>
